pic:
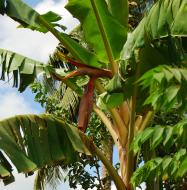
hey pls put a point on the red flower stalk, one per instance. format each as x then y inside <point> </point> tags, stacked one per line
<point>86,105</point>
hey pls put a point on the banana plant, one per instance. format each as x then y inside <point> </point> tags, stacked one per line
<point>144,72</point>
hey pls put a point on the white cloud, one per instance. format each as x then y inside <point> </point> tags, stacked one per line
<point>13,103</point>
<point>21,183</point>
<point>58,7</point>
<point>113,187</point>
<point>29,43</point>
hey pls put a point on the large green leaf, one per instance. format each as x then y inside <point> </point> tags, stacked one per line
<point>119,9</point>
<point>33,141</point>
<point>164,19</point>
<point>102,31</point>
<point>160,38</point>
<point>26,16</point>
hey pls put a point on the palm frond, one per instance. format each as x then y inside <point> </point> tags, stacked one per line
<point>48,176</point>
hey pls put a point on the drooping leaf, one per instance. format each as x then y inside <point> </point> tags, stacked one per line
<point>157,40</point>
<point>161,135</point>
<point>13,8</point>
<point>165,84</point>
<point>32,141</point>
<point>142,173</point>
<point>24,70</point>
<point>164,19</point>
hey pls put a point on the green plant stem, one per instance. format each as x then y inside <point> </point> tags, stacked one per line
<point>146,120</point>
<point>122,130</point>
<point>105,39</point>
<point>123,133</point>
<point>107,123</point>
<point>96,151</point>
<point>130,154</point>
<point>113,173</point>
<point>62,37</point>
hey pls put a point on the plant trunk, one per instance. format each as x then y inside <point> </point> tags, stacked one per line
<point>108,151</point>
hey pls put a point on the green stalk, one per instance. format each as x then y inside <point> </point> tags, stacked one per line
<point>55,32</point>
<point>123,133</point>
<point>64,39</point>
<point>107,123</point>
<point>146,120</point>
<point>130,155</point>
<point>111,170</point>
<point>105,39</point>
<point>122,130</point>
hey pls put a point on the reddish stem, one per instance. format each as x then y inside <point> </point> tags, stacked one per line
<point>71,61</point>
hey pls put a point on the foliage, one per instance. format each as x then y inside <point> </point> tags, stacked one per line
<point>166,86</point>
<point>167,135</point>
<point>164,168</point>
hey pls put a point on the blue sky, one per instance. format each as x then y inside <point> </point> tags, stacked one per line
<point>32,2</point>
